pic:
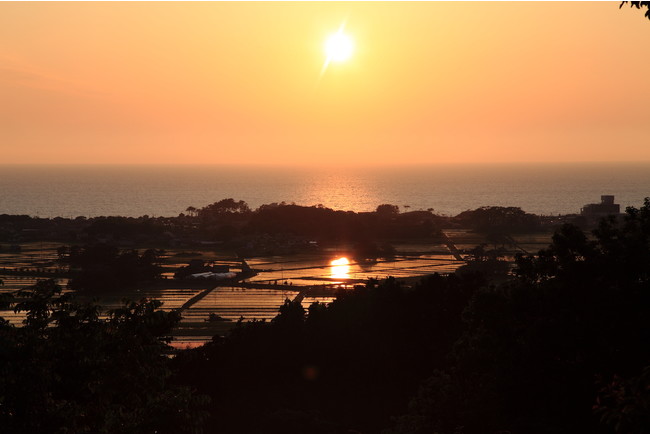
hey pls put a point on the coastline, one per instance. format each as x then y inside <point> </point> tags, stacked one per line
<point>135,190</point>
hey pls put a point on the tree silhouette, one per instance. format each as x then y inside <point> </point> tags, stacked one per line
<point>103,267</point>
<point>344,367</point>
<point>569,336</point>
<point>71,369</point>
<point>387,209</point>
<point>638,5</point>
<point>224,207</point>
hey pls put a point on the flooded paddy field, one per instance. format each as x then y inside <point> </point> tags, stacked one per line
<point>314,277</point>
<point>32,254</point>
<point>304,270</point>
<point>229,304</point>
<point>13,284</point>
<point>527,243</point>
<point>533,243</point>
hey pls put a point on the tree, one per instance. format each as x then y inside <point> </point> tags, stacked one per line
<point>347,366</point>
<point>387,209</point>
<point>224,207</point>
<point>562,349</point>
<point>498,220</point>
<point>639,5</point>
<point>69,369</point>
<point>103,267</point>
<point>624,405</point>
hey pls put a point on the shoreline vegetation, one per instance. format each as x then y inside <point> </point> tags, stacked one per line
<point>276,228</point>
<point>518,340</point>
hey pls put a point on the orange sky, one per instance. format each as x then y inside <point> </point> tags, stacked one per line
<point>239,82</point>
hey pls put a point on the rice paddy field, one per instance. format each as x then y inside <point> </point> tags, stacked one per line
<point>312,277</point>
<point>319,270</point>
<point>533,243</point>
<point>528,243</point>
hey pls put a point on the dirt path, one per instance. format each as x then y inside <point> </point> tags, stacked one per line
<point>198,297</point>
<point>516,245</point>
<point>452,247</point>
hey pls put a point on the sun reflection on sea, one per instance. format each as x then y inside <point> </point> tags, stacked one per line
<point>339,189</point>
<point>340,268</point>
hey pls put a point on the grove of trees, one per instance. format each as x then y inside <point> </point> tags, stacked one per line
<point>71,368</point>
<point>560,347</point>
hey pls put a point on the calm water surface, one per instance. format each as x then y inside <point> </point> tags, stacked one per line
<point>70,191</point>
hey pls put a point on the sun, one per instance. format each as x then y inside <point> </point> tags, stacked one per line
<point>339,47</point>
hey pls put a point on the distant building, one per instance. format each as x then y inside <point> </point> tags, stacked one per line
<point>604,208</point>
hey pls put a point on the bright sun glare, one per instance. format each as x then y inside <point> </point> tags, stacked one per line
<point>340,261</point>
<point>339,47</point>
<point>340,268</point>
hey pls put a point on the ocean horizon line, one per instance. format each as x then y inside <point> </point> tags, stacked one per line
<point>167,190</point>
<point>337,165</point>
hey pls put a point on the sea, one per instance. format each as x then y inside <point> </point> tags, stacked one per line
<point>166,190</point>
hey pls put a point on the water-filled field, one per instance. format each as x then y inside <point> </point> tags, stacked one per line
<point>314,277</point>
<point>309,271</point>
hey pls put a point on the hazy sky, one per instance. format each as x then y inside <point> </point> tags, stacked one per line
<point>240,82</point>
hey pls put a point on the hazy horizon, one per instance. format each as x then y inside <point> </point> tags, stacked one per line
<point>167,190</point>
<point>345,165</point>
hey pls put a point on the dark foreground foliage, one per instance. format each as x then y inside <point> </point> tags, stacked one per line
<point>347,366</point>
<point>67,370</point>
<point>562,347</point>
